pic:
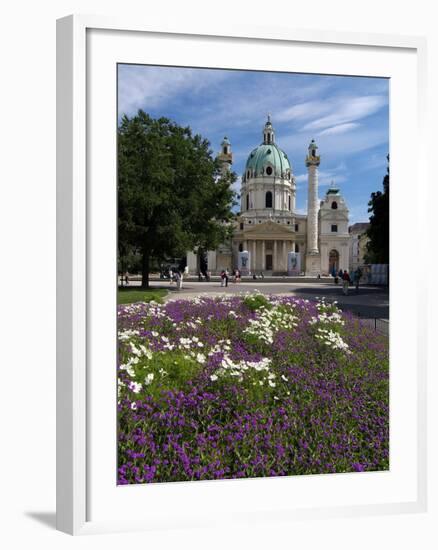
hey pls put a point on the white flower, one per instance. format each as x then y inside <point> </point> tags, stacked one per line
<point>134,406</point>
<point>200,358</point>
<point>213,377</point>
<point>271,383</point>
<point>149,378</point>
<point>332,339</point>
<point>135,387</point>
<point>283,377</point>
<point>147,353</point>
<point>127,334</point>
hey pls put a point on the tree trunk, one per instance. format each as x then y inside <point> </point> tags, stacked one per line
<point>145,270</point>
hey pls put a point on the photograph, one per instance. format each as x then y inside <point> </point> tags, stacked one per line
<point>252,274</point>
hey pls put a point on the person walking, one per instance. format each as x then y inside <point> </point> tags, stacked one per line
<point>345,282</point>
<point>357,277</point>
<point>178,279</point>
<point>222,278</point>
<point>227,275</point>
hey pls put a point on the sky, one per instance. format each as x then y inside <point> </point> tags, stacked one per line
<point>347,116</point>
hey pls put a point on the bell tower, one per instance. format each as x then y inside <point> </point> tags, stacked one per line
<point>225,156</point>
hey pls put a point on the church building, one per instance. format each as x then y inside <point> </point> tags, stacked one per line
<point>270,236</point>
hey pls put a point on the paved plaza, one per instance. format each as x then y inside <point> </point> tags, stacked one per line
<point>370,302</point>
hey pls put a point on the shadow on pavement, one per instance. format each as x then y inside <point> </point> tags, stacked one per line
<point>46,518</point>
<point>368,302</point>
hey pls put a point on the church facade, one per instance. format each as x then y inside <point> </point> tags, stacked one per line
<point>269,235</point>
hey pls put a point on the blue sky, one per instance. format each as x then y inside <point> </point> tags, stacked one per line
<point>347,116</point>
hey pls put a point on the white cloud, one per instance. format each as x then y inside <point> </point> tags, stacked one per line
<point>339,129</point>
<point>342,146</point>
<point>333,176</point>
<point>344,110</point>
<point>334,115</point>
<point>302,111</point>
<point>237,185</point>
<point>145,87</point>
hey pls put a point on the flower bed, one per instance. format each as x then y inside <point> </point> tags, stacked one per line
<point>248,386</point>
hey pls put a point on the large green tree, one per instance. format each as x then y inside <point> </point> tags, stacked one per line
<point>378,232</point>
<point>172,195</point>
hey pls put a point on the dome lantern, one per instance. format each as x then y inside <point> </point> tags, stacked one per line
<point>268,132</point>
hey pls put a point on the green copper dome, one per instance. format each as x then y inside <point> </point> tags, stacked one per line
<point>267,156</point>
<point>267,159</point>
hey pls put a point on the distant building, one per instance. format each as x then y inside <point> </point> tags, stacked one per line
<point>358,244</point>
<point>269,235</point>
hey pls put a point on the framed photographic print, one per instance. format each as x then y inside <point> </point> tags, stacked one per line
<point>232,335</point>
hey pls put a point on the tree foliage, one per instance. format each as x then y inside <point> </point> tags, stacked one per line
<point>378,232</point>
<point>172,196</point>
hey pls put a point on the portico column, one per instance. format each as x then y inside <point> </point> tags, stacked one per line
<point>263,256</point>
<point>245,245</point>
<point>274,259</point>
<point>254,248</point>
<point>284,258</point>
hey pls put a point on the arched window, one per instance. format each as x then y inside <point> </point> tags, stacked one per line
<point>297,248</point>
<point>225,150</point>
<point>247,201</point>
<point>334,205</point>
<point>269,170</point>
<point>289,202</point>
<point>240,247</point>
<point>268,200</point>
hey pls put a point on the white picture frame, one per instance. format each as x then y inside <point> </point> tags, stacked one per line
<point>80,222</point>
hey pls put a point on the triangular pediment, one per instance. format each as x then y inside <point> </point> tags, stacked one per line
<point>271,229</point>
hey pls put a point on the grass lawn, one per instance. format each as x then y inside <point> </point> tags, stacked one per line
<point>131,295</point>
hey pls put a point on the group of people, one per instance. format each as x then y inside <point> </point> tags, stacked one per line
<point>225,276</point>
<point>344,276</point>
